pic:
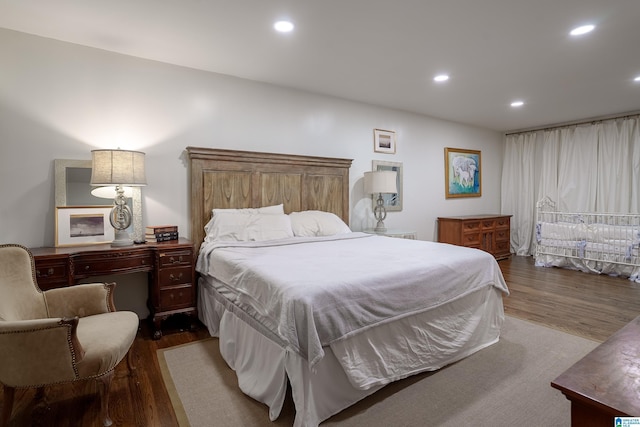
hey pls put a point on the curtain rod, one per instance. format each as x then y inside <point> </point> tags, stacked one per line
<point>577,123</point>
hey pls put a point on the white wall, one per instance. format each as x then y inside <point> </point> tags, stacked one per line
<point>60,100</point>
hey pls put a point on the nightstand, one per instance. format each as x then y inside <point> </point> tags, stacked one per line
<point>170,266</point>
<point>403,234</point>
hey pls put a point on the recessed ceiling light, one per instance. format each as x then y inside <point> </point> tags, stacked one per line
<point>584,29</point>
<point>283,26</point>
<point>441,78</point>
<point>517,103</point>
<point>637,79</point>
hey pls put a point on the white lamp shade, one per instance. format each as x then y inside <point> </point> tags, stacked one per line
<point>380,182</point>
<point>117,167</point>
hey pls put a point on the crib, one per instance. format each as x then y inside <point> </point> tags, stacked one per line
<point>602,243</point>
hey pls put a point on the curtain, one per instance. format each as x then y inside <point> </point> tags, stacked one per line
<point>583,168</point>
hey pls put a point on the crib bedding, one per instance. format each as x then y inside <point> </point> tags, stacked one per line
<point>595,247</point>
<point>313,292</point>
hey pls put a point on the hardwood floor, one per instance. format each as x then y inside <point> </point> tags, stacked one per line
<point>588,305</point>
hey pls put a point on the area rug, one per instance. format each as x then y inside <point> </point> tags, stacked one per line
<point>506,384</point>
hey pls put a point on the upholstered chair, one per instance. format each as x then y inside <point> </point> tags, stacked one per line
<point>57,336</point>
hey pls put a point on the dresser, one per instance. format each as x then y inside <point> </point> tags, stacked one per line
<point>170,267</point>
<point>491,233</point>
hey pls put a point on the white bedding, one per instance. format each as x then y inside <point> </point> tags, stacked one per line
<point>313,292</point>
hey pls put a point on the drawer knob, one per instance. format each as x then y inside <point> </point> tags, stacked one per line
<point>174,260</point>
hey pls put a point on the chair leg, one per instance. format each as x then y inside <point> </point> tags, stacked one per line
<point>9,394</point>
<point>104,384</point>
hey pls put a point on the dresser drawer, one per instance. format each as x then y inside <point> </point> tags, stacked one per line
<point>488,224</point>
<point>470,226</point>
<point>503,222</point>
<point>176,297</point>
<point>175,258</point>
<point>502,235</point>
<point>470,239</point>
<point>175,276</point>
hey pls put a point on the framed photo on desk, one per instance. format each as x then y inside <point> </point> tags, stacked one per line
<point>83,225</point>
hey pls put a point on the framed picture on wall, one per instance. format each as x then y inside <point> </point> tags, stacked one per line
<point>83,225</point>
<point>384,141</point>
<point>392,202</point>
<point>462,173</point>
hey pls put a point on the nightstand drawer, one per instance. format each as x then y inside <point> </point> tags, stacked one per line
<point>175,258</point>
<point>176,297</point>
<point>175,276</point>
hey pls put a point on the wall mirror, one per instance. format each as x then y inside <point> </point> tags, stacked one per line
<point>73,188</point>
<point>392,202</point>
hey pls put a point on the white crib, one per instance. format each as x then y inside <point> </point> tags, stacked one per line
<point>602,243</point>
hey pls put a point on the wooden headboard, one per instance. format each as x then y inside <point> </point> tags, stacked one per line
<point>244,179</point>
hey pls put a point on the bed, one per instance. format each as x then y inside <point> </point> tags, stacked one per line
<point>602,243</point>
<point>297,298</point>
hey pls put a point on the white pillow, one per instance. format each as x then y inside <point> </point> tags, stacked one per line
<point>276,209</point>
<point>317,223</point>
<point>248,226</point>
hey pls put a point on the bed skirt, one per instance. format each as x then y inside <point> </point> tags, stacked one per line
<point>263,365</point>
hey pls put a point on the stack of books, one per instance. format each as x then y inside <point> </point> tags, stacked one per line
<point>161,233</point>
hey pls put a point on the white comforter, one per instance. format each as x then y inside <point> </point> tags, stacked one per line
<point>315,291</point>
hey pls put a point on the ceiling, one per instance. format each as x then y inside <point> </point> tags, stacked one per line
<point>382,52</point>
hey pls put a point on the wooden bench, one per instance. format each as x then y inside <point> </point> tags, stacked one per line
<point>606,382</point>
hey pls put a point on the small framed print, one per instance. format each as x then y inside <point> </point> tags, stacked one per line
<point>83,225</point>
<point>462,170</point>
<point>384,141</point>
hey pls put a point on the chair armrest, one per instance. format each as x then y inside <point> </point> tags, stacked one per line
<point>80,300</point>
<point>38,352</point>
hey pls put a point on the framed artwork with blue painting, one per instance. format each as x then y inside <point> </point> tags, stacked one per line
<point>462,170</point>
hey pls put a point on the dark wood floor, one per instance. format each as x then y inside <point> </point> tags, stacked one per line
<point>588,305</point>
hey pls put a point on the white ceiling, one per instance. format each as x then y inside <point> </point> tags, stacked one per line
<point>382,52</point>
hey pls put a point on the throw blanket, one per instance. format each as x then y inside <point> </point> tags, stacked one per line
<point>315,291</point>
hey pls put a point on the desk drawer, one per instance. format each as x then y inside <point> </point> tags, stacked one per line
<point>175,258</point>
<point>175,276</point>
<point>97,265</point>
<point>176,297</point>
<point>52,274</point>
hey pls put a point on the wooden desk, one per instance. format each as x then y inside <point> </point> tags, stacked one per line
<point>170,265</point>
<point>606,382</point>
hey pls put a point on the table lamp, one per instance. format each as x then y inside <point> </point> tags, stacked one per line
<point>118,169</point>
<point>379,182</point>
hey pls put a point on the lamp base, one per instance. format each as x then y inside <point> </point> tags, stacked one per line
<point>380,228</point>
<point>380,213</point>
<point>121,239</point>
